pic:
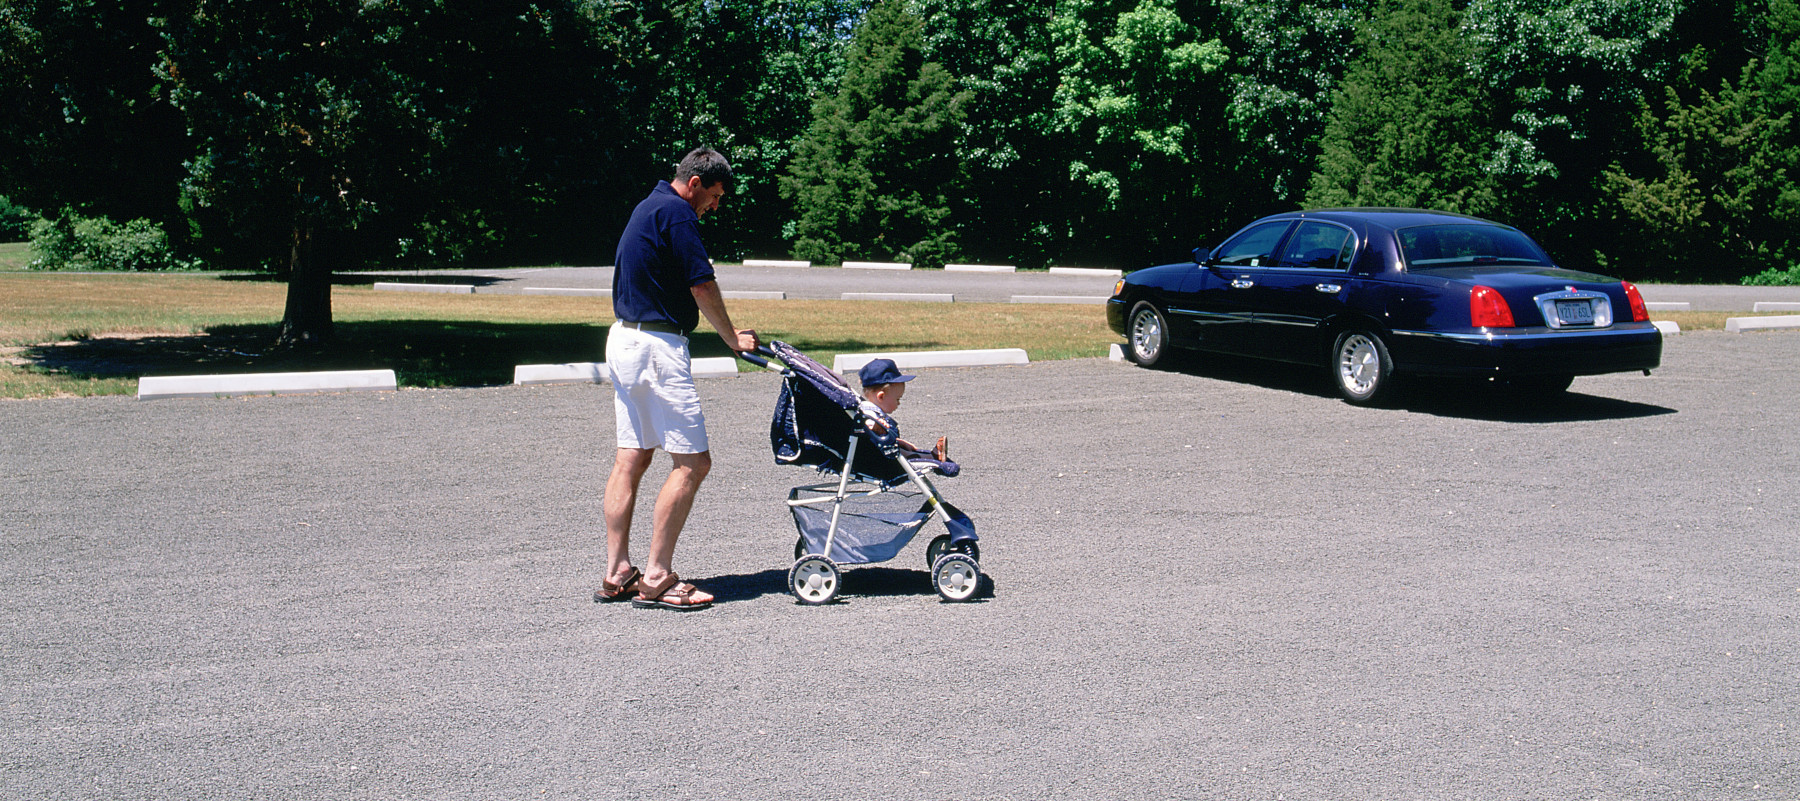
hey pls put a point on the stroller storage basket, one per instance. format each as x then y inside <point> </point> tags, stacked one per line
<point>872,525</point>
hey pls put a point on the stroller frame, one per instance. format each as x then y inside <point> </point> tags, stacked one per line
<point>815,576</point>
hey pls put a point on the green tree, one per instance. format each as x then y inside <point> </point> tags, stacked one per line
<point>1139,91</point>
<point>333,132</point>
<point>871,176</point>
<point>1405,127</point>
<point>1013,206</point>
<point>1564,78</point>
<point>742,75</point>
<point>88,125</point>
<point>1717,200</point>
<point>1286,60</point>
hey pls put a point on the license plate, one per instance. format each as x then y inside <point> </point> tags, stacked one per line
<point>1575,312</point>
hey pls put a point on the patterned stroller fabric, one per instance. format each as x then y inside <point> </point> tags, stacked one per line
<point>816,416</point>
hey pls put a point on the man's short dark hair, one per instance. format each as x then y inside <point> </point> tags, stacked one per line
<point>707,163</point>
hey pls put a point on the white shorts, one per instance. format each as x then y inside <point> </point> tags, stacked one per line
<point>654,400</point>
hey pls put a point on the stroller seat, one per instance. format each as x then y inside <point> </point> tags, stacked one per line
<point>818,413</point>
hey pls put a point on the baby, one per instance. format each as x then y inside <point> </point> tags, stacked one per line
<point>883,387</point>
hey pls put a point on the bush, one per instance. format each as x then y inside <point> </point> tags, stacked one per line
<point>1775,277</point>
<point>15,221</point>
<point>74,242</point>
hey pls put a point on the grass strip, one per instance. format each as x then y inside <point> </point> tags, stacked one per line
<point>94,334</point>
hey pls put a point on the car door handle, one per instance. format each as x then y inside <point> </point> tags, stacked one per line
<point>1329,289</point>
<point>1242,283</point>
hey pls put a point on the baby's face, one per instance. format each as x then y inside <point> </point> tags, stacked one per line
<point>887,398</point>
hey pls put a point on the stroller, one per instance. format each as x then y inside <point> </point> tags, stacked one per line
<point>881,499</point>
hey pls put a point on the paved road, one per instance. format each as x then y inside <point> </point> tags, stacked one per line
<point>803,282</point>
<point>1209,583</point>
<point>832,282</point>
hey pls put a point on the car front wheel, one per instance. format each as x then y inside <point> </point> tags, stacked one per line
<point>1360,367</point>
<point>1149,332</point>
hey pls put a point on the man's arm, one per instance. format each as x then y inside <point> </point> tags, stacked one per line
<point>712,304</point>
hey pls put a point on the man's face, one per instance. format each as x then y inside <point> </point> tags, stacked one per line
<point>702,198</point>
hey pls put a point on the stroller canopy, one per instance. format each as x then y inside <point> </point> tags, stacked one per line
<point>816,416</point>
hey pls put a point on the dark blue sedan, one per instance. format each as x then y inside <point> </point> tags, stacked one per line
<point>1378,293</point>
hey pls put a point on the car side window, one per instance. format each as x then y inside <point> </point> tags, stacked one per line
<point>1254,247</point>
<point>1319,246</point>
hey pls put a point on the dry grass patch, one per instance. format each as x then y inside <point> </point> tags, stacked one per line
<point>95,334</point>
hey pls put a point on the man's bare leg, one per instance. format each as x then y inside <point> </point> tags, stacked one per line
<point>673,504</point>
<point>629,465</point>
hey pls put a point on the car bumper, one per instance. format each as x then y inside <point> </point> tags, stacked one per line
<point>1621,348</point>
<point>1115,315</point>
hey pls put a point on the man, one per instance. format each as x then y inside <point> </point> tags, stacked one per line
<point>662,283</point>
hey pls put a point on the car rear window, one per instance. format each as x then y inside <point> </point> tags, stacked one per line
<point>1435,246</point>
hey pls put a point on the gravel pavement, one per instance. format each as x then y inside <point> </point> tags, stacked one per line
<point>1210,582</point>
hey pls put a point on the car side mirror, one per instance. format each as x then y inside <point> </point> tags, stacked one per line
<point>1201,255</point>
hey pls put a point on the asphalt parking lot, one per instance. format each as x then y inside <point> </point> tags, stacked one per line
<point>1210,582</point>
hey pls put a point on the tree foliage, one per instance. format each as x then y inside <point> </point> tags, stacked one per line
<point>1718,197</point>
<point>330,131</point>
<point>1138,87</point>
<point>1406,127</point>
<point>88,124</point>
<point>868,177</point>
<point>1654,137</point>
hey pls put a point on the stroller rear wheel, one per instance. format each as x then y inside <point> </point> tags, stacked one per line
<point>940,545</point>
<point>956,577</point>
<point>813,580</point>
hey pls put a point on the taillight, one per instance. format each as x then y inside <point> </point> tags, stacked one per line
<point>1488,310</point>
<point>1639,312</point>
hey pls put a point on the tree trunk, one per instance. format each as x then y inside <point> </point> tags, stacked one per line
<point>307,321</point>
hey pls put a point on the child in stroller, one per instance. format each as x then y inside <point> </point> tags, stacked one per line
<point>883,387</point>
<point>883,495</point>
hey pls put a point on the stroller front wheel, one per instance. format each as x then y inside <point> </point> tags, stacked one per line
<point>813,580</point>
<point>956,577</point>
<point>940,545</point>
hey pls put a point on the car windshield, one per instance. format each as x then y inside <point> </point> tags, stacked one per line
<point>1433,246</point>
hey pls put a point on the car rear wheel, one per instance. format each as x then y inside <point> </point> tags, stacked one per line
<point>1360,367</point>
<point>1149,332</point>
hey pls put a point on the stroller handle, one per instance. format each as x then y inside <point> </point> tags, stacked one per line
<point>759,361</point>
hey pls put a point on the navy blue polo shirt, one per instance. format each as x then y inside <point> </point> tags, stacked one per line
<point>660,260</point>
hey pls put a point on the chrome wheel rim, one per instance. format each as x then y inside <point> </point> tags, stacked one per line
<point>1359,364</point>
<point>1146,333</point>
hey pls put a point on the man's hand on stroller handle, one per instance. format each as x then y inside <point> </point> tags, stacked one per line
<point>744,340</point>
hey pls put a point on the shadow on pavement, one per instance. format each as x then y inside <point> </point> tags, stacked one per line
<point>1443,397</point>
<point>422,353</point>
<point>858,582</point>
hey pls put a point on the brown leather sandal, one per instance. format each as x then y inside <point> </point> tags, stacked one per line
<point>673,594</point>
<point>610,592</point>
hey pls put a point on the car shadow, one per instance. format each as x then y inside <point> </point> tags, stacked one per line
<point>1474,400</point>
<point>1466,399</point>
<point>1245,370</point>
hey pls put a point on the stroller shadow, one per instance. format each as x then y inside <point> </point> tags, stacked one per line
<point>858,582</point>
